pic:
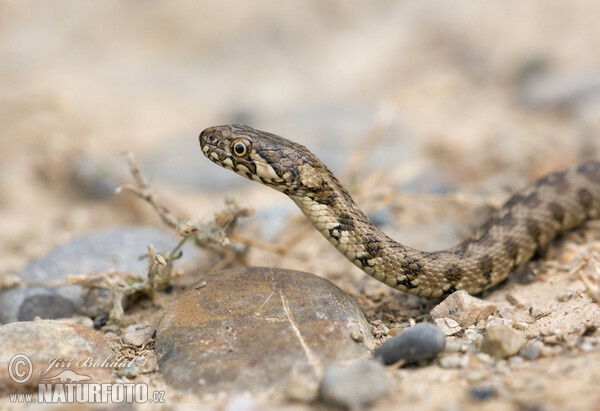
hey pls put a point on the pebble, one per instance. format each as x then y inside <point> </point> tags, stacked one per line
<point>586,346</point>
<point>474,335</point>
<point>44,340</point>
<point>463,308</point>
<point>356,386</point>
<point>456,345</point>
<point>531,351</point>
<point>515,301</point>
<point>421,342</point>
<point>484,358</point>
<point>119,248</point>
<point>498,320</point>
<point>564,297</point>
<point>138,334</point>
<point>45,306</point>
<point>129,371</point>
<point>448,326</point>
<point>477,375</point>
<point>454,361</point>
<point>482,393</point>
<point>146,362</point>
<point>501,341</point>
<point>100,321</point>
<point>278,321</point>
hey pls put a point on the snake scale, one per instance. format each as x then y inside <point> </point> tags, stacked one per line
<point>524,225</point>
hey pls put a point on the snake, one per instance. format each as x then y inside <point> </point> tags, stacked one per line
<point>518,230</point>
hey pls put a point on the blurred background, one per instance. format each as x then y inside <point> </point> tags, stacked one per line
<point>436,96</point>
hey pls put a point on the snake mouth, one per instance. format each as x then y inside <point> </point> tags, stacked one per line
<point>211,140</point>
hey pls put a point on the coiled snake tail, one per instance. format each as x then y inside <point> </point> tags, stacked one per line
<point>525,224</point>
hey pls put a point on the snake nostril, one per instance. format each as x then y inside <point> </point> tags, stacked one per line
<point>207,138</point>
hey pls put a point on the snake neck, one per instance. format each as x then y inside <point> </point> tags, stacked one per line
<point>355,236</point>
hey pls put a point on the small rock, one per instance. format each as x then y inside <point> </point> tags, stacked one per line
<point>552,340</point>
<point>138,334</point>
<point>516,360</point>
<point>448,326</point>
<point>482,393</point>
<point>515,301</point>
<point>421,342</point>
<point>45,340</point>
<point>564,297</point>
<point>476,376</point>
<point>463,308</point>
<point>100,321</point>
<point>531,351</point>
<point>474,335</point>
<point>498,320</point>
<point>501,341</point>
<point>484,358</point>
<point>454,361</point>
<point>586,347</point>
<point>357,335</point>
<point>355,386</point>
<point>129,371</point>
<point>249,328</point>
<point>147,363</point>
<point>45,306</point>
<point>456,345</point>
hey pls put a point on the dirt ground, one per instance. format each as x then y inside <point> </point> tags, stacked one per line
<point>431,112</point>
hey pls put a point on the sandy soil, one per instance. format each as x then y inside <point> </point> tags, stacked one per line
<point>459,104</point>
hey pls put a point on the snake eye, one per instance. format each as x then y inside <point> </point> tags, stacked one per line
<point>240,147</point>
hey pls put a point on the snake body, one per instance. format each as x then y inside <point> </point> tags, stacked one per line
<point>525,224</point>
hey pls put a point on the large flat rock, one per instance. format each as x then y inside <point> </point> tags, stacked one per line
<point>249,329</point>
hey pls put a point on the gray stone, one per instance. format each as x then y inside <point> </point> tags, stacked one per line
<point>45,306</point>
<point>463,308</point>
<point>118,248</point>
<point>137,334</point>
<point>129,371</point>
<point>355,386</point>
<point>42,341</point>
<point>501,341</point>
<point>531,351</point>
<point>248,329</point>
<point>421,342</point>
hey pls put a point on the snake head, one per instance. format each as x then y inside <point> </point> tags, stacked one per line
<point>258,155</point>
